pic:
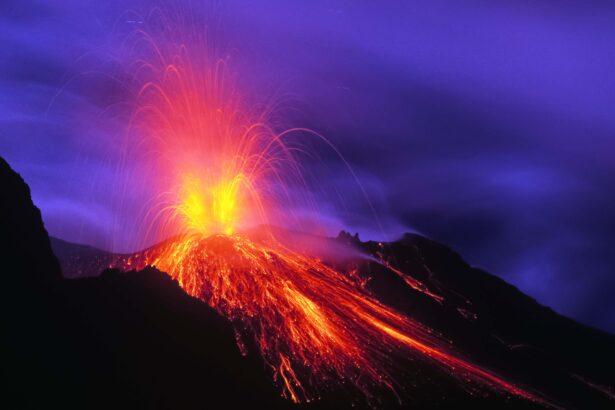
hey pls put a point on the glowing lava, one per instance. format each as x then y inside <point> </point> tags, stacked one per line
<point>316,327</point>
<point>218,168</point>
<point>210,207</point>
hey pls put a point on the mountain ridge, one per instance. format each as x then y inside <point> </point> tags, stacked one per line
<point>136,339</point>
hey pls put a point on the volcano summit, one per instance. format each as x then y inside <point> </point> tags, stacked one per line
<point>135,339</point>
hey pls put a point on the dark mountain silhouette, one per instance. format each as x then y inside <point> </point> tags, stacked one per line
<point>136,340</point>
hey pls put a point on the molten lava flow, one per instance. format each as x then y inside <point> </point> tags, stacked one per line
<point>216,169</point>
<point>317,328</point>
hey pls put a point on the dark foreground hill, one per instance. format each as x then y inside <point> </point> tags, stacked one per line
<point>136,340</point>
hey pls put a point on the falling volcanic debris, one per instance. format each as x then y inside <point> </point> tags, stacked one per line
<point>219,169</point>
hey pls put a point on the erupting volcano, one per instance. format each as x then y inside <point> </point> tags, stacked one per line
<point>193,249</point>
<point>219,169</point>
<point>316,327</point>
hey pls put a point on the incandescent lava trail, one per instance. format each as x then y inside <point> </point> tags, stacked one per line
<point>218,169</point>
<point>316,327</point>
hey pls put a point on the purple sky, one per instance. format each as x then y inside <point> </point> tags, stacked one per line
<point>488,126</point>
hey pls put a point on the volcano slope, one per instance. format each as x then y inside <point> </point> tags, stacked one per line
<point>137,340</point>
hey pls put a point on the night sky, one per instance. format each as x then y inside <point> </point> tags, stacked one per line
<point>487,126</point>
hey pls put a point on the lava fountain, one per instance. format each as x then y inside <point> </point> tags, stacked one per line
<point>218,169</point>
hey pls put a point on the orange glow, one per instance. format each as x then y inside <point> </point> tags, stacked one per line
<point>317,328</point>
<point>218,169</point>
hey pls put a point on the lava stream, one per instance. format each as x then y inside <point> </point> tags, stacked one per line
<point>317,328</point>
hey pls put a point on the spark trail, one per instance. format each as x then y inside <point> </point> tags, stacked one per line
<point>216,168</point>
